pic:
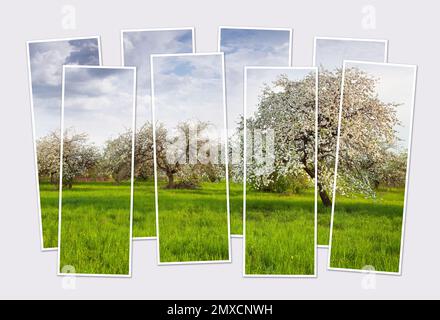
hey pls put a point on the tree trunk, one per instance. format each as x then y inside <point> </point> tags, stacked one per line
<point>324,197</point>
<point>326,201</point>
<point>170,180</point>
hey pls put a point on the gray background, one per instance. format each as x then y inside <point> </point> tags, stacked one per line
<point>25,272</point>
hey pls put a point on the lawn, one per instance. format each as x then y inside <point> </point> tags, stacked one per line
<point>236,207</point>
<point>193,224</point>
<point>324,218</point>
<point>280,233</point>
<point>144,212</point>
<point>49,214</point>
<point>95,230</point>
<point>367,232</point>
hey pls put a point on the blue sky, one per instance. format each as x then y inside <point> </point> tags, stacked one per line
<point>98,101</point>
<point>189,88</point>
<point>395,85</point>
<point>331,53</point>
<point>46,63</point>
<point>138,46</point>
<point>252,47</point>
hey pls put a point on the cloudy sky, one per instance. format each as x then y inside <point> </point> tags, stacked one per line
<point>250,47</point>
<point>331,53</point>
<point>257,79</point>
<point>189,87</point>
<point>98,101</point>
<point>138,46</point>
<point>46,64</point>
<point>395,85</point>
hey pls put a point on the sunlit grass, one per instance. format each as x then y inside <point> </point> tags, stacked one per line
<point>280,233</point>
<point>193,224</point>
<point>95,229</point>
<point>367,232</point>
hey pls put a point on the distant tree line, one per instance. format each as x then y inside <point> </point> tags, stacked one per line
<point>83,161</point>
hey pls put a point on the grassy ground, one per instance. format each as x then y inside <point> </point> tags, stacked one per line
<point>49,214</point>
<point>367,232</point>
<point>144,212</point>
<point>236,207</point>
<point>324,217</point>
<point>193,224</point>
<point>280,233</point>
<point>95,227</point>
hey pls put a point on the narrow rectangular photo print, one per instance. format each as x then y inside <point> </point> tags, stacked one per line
<point>191,172</point>
<point>46,59</point>
<point>372,161</point>
<point>280,185</point>
<point>137,46</point>
<point>246,46</point>
<point>329,56</point>
<point>95,209</point>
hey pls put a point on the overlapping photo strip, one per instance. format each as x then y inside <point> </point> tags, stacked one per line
<point>190,149</point>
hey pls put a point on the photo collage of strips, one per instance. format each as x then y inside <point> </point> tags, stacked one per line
<point>191,149</point>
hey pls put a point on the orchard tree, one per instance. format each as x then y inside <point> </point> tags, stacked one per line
<point>144,153</point>
<point>281,135</point>
<point>117,156</point>
<point>288,110</point>
<point>179,153</point>
<point>79,156</point>
<point>367,134</point>
<point>48,156</point>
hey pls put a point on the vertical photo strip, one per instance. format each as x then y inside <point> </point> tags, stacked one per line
<point>45,62</point>
<point>137,46</point>
<point>372,167</point>
<point>329,56</point>
<point>96,171</point>
<point>246,46</point>
<point>191,167</point>
<point>280,139</point>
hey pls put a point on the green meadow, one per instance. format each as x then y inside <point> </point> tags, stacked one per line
<point>324,219</point>
<point>95,229</point>
<point>280,233</point>
<point>236,207</point>
<point>193,223</point>
<point>144,212</point>
<point>49,202</point>
<point>367,232</point>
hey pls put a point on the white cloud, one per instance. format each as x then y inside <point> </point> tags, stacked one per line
<point>98,102</point>
<point>138,46</point>
<point>250,48</point>
<point>189,88</point>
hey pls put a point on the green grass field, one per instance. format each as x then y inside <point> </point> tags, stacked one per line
<point>193,224</point>
<point>144,214</point>
<point>324,218</point>
<point>280,233</point>
<point>236,207</point>
<point>144,211</point>
<point>367,232</point>
<point>49,214</point>
<point>95,230</point>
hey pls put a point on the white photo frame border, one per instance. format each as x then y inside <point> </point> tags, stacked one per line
<point>290,63</point>
<point>229,260</point>
<point>59,273</point>
<point>34,140</point>
<point>412,106</point>
<point>315,251</point>
<point>123,64</point>
<point>386,42</point>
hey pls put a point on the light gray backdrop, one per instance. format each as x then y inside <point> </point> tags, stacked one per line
<point>412,29</point>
